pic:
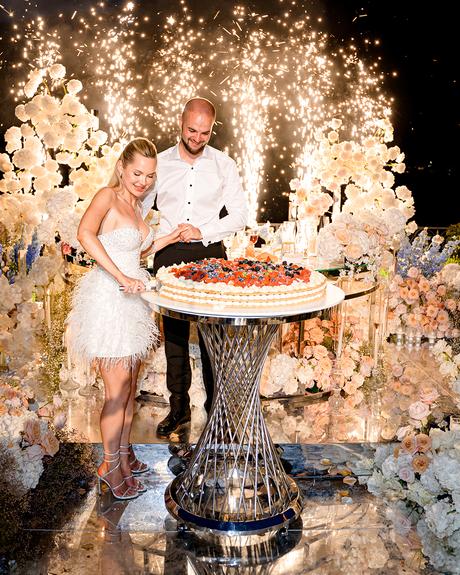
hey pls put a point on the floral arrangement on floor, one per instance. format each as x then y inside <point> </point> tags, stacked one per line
<point>26,433</point>
<point>422,298</point>
<point>65,482</point>
<point>419,478</point>
<point>409,399</point>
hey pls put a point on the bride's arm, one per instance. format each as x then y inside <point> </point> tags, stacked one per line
<point>87,236</point>
<point>160,243</point>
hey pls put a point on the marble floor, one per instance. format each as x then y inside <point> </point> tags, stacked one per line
<point>341,528</point>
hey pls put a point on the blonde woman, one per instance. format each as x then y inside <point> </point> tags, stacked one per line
<point>109,322</point>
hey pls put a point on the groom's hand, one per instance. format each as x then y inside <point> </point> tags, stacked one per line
<point>189,232</point>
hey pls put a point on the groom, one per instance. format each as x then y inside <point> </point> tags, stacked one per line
<point>195,184</point>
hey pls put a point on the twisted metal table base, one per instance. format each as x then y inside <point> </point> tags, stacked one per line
<point>235,482</point>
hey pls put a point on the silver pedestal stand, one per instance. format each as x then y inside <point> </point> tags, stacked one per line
<point>235,483</point>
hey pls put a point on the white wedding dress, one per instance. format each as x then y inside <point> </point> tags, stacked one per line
<point>104,322</point>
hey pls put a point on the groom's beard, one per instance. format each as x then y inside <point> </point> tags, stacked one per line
<point>193,151</point>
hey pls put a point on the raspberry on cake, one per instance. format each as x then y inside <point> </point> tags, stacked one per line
<point>241,283</point>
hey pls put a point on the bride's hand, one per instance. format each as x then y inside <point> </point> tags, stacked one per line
<point>131,285</point>
<point>174,236</point>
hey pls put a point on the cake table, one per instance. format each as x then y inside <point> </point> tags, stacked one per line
<point>235,483</point>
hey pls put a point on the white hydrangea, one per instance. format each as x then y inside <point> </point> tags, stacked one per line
<point>442,518</point>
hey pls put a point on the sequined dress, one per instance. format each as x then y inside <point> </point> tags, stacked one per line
<point>104,322</point>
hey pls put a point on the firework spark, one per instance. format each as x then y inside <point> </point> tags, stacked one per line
<point>276,80</point>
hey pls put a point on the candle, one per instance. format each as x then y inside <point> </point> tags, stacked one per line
<point>47,306</point>
<point>69,359</point>
<point>376,345</point>
<point>341,331</point>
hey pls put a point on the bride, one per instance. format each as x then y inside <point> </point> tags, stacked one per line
<point>109,322</point>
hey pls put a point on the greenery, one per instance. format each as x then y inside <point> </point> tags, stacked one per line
<point>53,351</point>
<point>453,233</point>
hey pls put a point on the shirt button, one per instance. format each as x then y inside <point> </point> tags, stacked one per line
<point>191,185</point>
<point>188,202</point>
<point>188,219</point>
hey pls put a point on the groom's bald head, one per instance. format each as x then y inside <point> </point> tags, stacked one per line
<point>199,106</point>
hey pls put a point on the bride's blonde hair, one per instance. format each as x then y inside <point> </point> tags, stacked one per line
<point>141,146</point>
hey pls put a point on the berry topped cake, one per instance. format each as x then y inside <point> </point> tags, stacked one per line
<point>241,283</point>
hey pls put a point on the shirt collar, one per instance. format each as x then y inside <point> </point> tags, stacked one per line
<point>206,155</point>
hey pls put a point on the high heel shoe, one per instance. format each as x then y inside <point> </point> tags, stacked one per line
<point>113,458</point>
<point>137,467</point>
<point>140,487</point>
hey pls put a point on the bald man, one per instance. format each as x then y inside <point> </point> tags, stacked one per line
<point>196,185</point>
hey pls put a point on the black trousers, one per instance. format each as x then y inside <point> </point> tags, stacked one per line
<point>177,332</point>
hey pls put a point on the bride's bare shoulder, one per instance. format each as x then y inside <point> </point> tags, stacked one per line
<point>105,195</point>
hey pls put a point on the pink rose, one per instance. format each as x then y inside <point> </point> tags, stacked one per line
<point>413,272</point>
<point>441,290</point>
<point>443,316</point>
<point>32,431</point>
<point>50,443</point>
<point>353,252</point>
<point>66,249</point>
<point>419,410</point>
<point>406,474</point>
<point>403,431</point>
<point>34,453</point>
<point>59,420</point>
<point>319,351</point>
<point>397,370</point>
<point>429,395</point>
<point>423,284</point>
<point>431,311</point>
<point>315,335</point>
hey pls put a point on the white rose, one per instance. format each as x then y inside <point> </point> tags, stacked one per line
<point>74,86</point>
<point>20,112</point>
<point>5,163</point>
<point>57,71</point>
<point>52,140</point>
<point>13,134</point>
<point>25,159</point>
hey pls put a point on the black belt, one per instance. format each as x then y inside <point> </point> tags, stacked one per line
<point>194,245</point>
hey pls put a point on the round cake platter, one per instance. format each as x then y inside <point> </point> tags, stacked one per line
<point>240,316</point>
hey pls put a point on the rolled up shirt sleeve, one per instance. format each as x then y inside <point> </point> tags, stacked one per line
<point>234,200</point>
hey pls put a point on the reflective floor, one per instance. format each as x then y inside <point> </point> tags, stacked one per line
<point>342,528</point>
<point>299,419</point>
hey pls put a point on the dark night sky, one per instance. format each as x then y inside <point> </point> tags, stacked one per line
<point>416,40</point>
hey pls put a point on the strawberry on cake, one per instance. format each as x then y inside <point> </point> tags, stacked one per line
<point>241,283</point>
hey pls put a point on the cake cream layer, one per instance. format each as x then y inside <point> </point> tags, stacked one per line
<point>197,292</point>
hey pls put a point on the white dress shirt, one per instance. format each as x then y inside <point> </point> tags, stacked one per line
<point>196,193</point>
